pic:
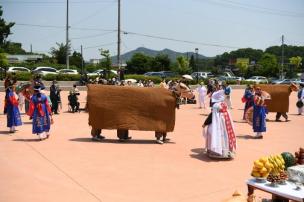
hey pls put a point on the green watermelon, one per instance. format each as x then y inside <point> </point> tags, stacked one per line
<point>289,159</point>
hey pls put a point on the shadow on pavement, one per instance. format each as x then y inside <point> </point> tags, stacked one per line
<point>116,141</point>
<point>204,114</point>
<point>5,132</point>
<point>246,137</point>
<point>242,121</point>
<point>27,122</point>
<point>201,155</point>
<point>27,140</point>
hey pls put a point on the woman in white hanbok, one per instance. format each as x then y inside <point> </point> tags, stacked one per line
<point>220,135</point>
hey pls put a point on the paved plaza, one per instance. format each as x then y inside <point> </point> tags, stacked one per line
<point>70,167</point>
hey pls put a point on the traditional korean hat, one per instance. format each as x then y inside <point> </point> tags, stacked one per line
<point>37,88</point>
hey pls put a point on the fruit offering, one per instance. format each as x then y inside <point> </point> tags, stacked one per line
<point>300,156</point>
<point>273,178</point>
<point>278,164</point>
<point>283,176</point>
<point>261,168</point>
<point>289,159</point>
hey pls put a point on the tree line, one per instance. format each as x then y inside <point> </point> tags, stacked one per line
<point>264,63</point>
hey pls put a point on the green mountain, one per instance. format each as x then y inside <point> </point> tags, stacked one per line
<point>172,54</point>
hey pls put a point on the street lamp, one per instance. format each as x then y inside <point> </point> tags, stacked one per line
<point>196,63</point>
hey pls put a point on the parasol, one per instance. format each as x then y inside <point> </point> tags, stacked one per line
<point>186,76</point>
<point>20,87</point>
<point>265,95</point>
<point>249,115</point>
<point>131,80</point>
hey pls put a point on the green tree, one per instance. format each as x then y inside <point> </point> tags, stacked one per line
<point>59,53</point>
<point>13,48</point>
<point>160,62</point>
<point>106,61</point>
<point>268,65</point>
<point>76,59</point>
<point>192,63</point>
<point>139,64</point>
<point>296,61</point>
<point>5,29</point>
<point>182,66</point>
<point>3,60</point>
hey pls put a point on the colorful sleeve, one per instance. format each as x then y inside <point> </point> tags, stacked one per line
<point>48,106</point>
<point>31,108</point>
<point>13,100</point>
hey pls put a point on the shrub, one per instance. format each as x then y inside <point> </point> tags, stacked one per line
<point>21,76</point>
<point>61,77</point>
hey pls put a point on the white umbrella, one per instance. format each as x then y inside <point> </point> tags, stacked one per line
<point>186,76</point>
<point>114,72</point>
<point>132,80</point>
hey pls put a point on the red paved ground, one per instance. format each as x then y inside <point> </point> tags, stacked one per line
<point>69,167</point>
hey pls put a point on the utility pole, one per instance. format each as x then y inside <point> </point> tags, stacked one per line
<point>31,49</point>
<point>196,53</point>
<point>282,61</point>
<point>82,70</point>
<point>67,36</point>
<point>118,36</point>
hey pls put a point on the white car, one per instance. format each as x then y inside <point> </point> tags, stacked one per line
<point>18,69</point>
<point>45,70</point>
<point>100,72</point>
<point>68,71</point>
<point>258,79</point>
<point>202,75</point>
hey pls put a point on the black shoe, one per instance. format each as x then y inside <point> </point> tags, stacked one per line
<point>278,120</point>
<point>128,138</point>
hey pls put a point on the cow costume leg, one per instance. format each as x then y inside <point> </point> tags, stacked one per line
<point>123,135</point>
<point>96,134</point>
<point>159,135</point>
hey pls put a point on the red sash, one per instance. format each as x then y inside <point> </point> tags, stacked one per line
<point>230,131</point>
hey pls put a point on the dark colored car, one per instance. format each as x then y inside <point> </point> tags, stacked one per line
<point>169,73</point>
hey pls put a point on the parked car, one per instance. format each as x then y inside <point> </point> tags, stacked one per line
<point>68,71</point>
<point>100,72</point>
<point>169,73</point>
<point>258,79</point>
<point>297,81</point>
<point>282,81</point>
<point>160,74</point>
<point>45,70</point>
<point>202,75</point>
<point>18,69</point>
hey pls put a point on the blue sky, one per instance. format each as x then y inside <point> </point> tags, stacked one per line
<point>231,24</point>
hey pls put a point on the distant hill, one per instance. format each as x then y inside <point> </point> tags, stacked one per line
<point>172,54</point>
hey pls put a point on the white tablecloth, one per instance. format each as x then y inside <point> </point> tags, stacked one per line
<point>287,191</point>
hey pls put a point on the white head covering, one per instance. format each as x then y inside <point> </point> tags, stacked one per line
<point>218,96</point>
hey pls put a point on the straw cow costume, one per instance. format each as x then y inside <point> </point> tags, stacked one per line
<point>279,101</point>
<point>130,108</point>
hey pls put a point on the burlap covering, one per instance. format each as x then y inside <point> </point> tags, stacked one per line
<point>279,97</point>
<point>132,108</point>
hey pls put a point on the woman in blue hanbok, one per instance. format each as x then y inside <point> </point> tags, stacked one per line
<point>11,109</point>
<point>259,114</point>
<point>41,113</point>
<point>248,99</point>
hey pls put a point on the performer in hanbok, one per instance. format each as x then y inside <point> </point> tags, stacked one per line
<point>41,113</point>
<point>202,92</point>
<point>300,99</point>
<point>259,114</point>
<point>11,108</point>
<point>227,90</point>
<point>220,135</point>
<point>248,99</point>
